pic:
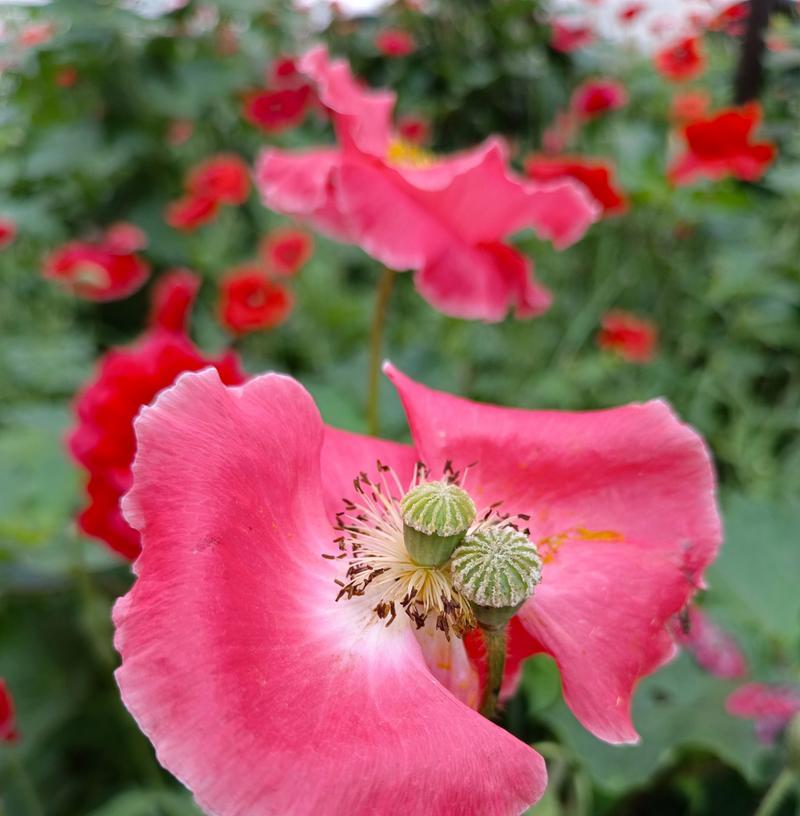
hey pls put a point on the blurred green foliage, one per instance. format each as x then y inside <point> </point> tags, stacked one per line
<point>715,266</point>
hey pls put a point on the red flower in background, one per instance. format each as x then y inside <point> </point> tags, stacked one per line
<point>106,270</point>
<point>179,131</point>
<point>772,707</point>
<point>712,648</point>
<point>190,212</point>
<point>285,250</point>
<point>249,301</point>
<point>596,97</point>
<point>8,720</point>
<point>284,103</point>
<point>631,12</point>
<point>413,129</point>
<point>8,232</point>
<point>690,106</point>
<point>223,178</point>
<point>67,76</point>
<point>682,61</point>
<point>103,440</point>
<point>633,338</point>
<point>394,42</point>
<point>567,35</point>
<point>444,217</point>
<point>277,110</point>
<point>597,175</point>
<point>721,145</point>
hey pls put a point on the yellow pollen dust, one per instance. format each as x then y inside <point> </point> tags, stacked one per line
<point>405,153</point>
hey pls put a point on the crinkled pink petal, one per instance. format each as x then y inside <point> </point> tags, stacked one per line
<point>363,116</point>
<point>482,283</point>
<point>302,184</point>
<point>622,508</point>
<point>258,691</point>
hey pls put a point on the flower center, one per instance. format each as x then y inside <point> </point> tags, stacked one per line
<point>403,546</point>
<point>405,153</point>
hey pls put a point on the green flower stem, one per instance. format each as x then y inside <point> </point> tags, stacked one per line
<point>780,788</point>
<point>33,804</point>
<point>375,347</point>
<point>495,640</point>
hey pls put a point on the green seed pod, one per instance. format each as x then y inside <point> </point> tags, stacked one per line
<point>496,568</point>
<point>435,517</point>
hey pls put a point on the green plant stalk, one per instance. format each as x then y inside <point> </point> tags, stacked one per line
<point>33,804</point>
<point>780,788</point>
<point>495,640</point>
<point>385,286</point>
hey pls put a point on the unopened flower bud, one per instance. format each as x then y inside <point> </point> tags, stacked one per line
<point>436,515</point>
<point>496,568</point>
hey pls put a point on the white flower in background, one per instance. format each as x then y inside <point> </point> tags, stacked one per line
<point>647,25</point>
<point>321,12</point>
<point>152,9</point>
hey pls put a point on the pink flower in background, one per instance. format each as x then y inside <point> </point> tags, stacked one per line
<point>682,61</point>
<point>250,301</point>
<point>284,103</point>
<point>125,237</point>
<point>35,34</point>
<point>286,250</point>
<point>394,42</point>
<point>721,145</point>
<point>596,175</point>
<point>8,720</point>
<point>561,132</point>
<point>103,441</point>
<point>772,707</point>
<point>446,217</point>
<point>632,338</point>
<point>712,648</point>
<point>106,270</point>
<point>597,96</point>
<point>236,493</point>
<point>8,232</point>
<point>567,35</point>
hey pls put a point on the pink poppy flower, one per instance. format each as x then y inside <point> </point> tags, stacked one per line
<point>772,707</point>
<point>722,145</point>
<point>96,271</point>
<point>681,61</point>
<point>394,42</point>
<point>8,720</point>
<point>713,648</point>
<point>8,232</point>
<point>125,237</point>
<point>597,96</point>
<point>446,218</point>
<point>249,301</point>
<point>568,35</point>
<point>265,695</point>
<point>286,250</point>
<point>103,441</point>
<point>632,338</point>
<point>276,110</point>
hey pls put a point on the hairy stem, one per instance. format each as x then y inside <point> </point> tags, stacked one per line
<point>495,640</point>
<point>376,347</point>
<point>780,788</point>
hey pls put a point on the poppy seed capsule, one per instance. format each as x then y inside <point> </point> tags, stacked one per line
<point>496,569</point>
<point>436,515</point>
